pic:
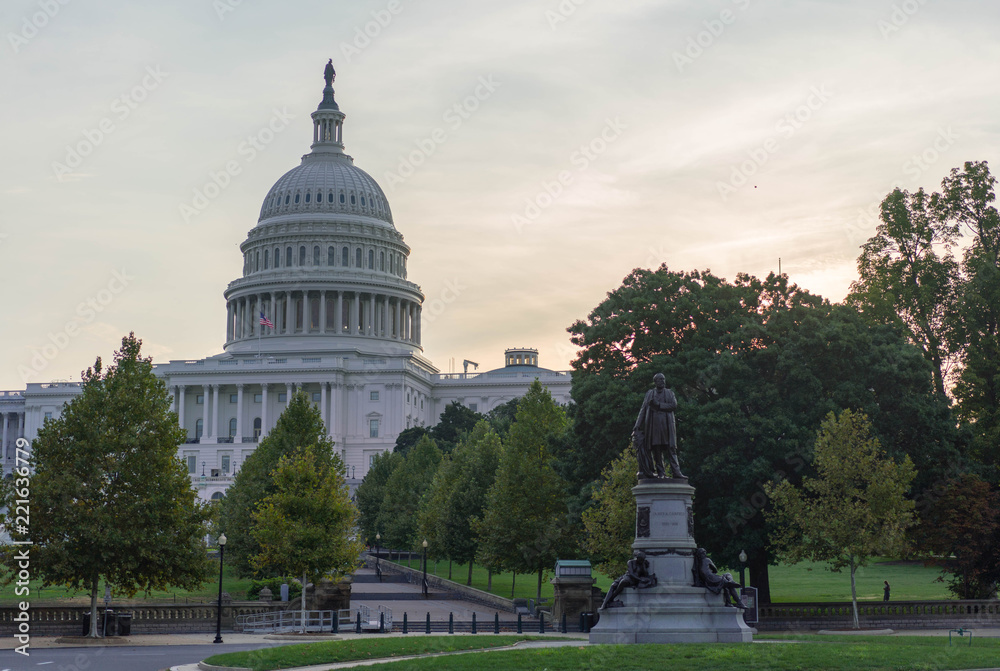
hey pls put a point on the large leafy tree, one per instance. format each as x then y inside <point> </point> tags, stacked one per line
<point>610,522</point>
<point>907,275</point>
<point>109,497</point>
<point>961,533</point>
<point>756,365</point>
<point>397,519</point>
<point>306,526</point>
<point>967,200</point>
<point>457,496</point>
<point>854,510</point>
<point>299,427</point>
<point>371,492</point>
<point>525,524</point>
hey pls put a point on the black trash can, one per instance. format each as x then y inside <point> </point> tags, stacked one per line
<point>86,624</point>
<point>124,624</point>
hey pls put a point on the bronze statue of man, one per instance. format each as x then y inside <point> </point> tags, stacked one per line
<point>655,432</point>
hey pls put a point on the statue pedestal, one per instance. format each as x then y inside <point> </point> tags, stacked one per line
<point>674,611</point>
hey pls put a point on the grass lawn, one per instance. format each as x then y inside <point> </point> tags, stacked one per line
<point>209,592</point>
<point>895,654</point>
<point>822,653</point>
<point>332,652</point>
<point>806,581</point>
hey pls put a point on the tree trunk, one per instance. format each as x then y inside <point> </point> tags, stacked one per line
<point>468,583</point>
<point>93,607</point>
<point>854,596</point>
<point>759,578</point>
<point>513,577</point>
<point>538,595</point>
<point>303,609</point>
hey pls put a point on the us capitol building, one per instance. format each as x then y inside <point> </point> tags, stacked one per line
<point>327,268</point>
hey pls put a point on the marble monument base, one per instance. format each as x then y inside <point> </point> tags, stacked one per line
<point>674,611</point>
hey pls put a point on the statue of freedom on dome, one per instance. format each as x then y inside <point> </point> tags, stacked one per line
<point>329,74</point>
<point>655,432</point>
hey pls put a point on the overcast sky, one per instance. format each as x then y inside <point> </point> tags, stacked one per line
<point>591,137</point>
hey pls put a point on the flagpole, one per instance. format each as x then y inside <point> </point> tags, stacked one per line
<point>260,327</point>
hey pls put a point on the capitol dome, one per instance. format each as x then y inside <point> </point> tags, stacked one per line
<point>326,183</point>
<point>324,269</point>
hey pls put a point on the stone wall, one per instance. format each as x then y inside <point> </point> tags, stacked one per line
<point>54,620</point>
<point>881,615</point>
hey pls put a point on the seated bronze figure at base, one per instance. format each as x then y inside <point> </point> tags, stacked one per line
<point>707,575</point>
<point>637,575</point>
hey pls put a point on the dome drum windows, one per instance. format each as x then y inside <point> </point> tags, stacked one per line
<point>316,255</point>
<point>357,253</point>
<point>308,196</point>
<point>331,254</point>
<point>302,255</point>
<point>277,257</point>
<point>344,255</point>
<point>288,256</point>
<point>296,198</point>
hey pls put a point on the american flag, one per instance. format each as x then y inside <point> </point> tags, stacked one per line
<point>264,321</point>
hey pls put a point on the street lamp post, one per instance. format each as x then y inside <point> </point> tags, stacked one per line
<point>425,567</point>
<point>378,551</point>
<point>218,615</point>
<point>743,565</point>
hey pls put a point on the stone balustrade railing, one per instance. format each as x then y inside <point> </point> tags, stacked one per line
<point>881,615</point>
<point>53,620</point>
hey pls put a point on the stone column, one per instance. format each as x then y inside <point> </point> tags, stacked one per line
<point>236,319</point>
<point>6,425</point>
<point>229,321</point>
<point>274,313</point>
<point>416,320</point>
<point>399,320</point>
<point>289,392</point>
<point>289,316</point>
<point>205,431</point>
<point>20,424</point>
<point>332,415</point>
<point>371,314</point>
<point>239,414</point>
<point>263,410</point>
<point>180,408</point>
<point>322,403</point>
<point>215,410</point>
<point>338,316</point>
<point>355,313</point>
<point>322,311</point>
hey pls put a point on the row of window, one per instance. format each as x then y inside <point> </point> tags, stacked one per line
<point>293,199</point>
<point>259,398</point>
<point>199,428</point>
<point>393,263</point>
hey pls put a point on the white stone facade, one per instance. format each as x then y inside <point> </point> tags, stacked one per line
<point>327,267</point>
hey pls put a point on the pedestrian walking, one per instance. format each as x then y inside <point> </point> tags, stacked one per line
<point>885,591</point>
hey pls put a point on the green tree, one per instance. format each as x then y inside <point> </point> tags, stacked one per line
<point>457,496</point>
<point>371,492</point>
<point>397,518</point>
<point>967,200</point>
<point>299,427</point>
<point>525,524</point>
<point>960,533</point>
<point>854,510</point>
<point>756,365</point>
<point>306,527</point>
<point>456,421</point>
<point>502,416</point>
<point>407,438</point>
<point>610,522</point>
<point>907,275</point>
<point>109,497</point>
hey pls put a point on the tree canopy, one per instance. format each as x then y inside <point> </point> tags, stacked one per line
<point>756,364</point>
<point>854,510</point>
<point>526,523</point>
<point>109,497</point>
<point>299,427</point>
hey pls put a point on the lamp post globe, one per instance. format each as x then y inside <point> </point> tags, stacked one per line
<point>425,567</point>
<point>218,613</point>
<point>743,565</point>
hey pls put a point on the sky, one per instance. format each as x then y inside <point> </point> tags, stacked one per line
<point>533,153</point>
